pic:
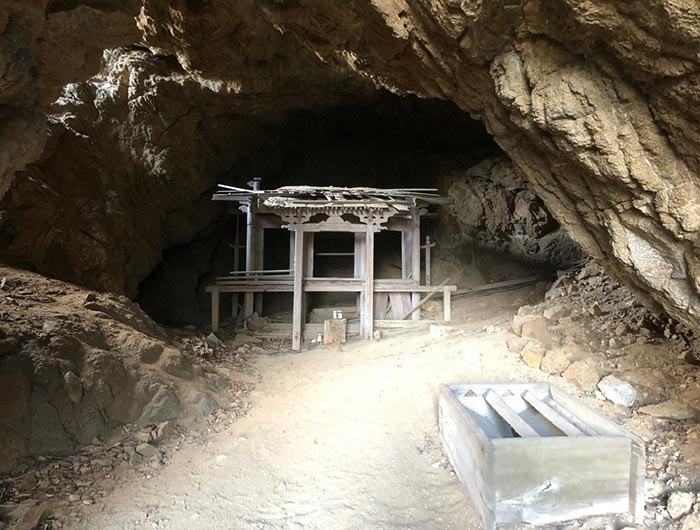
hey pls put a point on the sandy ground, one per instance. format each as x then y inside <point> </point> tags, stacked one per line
<point>342,438</point>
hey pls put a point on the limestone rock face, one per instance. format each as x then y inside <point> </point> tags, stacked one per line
<point>595,102</point>
<point>495,208</point>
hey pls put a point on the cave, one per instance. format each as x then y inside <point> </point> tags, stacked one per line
<point>563,136</point>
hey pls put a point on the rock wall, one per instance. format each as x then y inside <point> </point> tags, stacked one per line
<point>75,364</point>
<point>594,101</point>
<point>494,209</point>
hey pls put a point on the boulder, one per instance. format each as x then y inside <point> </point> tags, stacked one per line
<point>691,522</point>
<point>556,312</point>
<point>583,374</point>
<point>555,362</point>
<point>162,407</point>
<point>147,451</point>
<point>617,390</point>
<point>516,344</point>
<point>532,354</point>
<point>176,364</point>
<point>671,409</point>
<point>536,328</point>
<point>680,503</point>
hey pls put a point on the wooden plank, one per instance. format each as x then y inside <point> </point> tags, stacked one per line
<point>559,421</point>
<point>415,248</point>
<point>428,272</point>
<point>470,452</point>
<point>335,331</point>
<point>447,304</point>
<point>519,425</point>
<point>309,255</point>
<point>248,302</point>
<point>548,480</point>
<point>418,304</point>
<point>215,298</point>
<point>406,256</point>
<point>381,305</point>
<point>298,302</point>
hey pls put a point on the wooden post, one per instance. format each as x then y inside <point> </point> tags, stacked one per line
<point>406,258</point>
<point>368,298</point>
<point>215,309</point>
<point>309,254</point>
<point>298,316</point>
<point>359,264</point>
<point>428,274</point>
<point>415,259</point>
<point>447,303</point>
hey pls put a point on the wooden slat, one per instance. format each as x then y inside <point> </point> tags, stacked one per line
<point>559,421</point>
<point>509,415</point>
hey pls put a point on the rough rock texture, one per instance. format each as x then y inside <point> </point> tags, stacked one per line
<point>75,370</point>
<point>594,101</point>
<point>494,208</point>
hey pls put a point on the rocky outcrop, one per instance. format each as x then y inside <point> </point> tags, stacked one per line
<point>74,365</point>
<point>594,101</point>
<point>494,208</point>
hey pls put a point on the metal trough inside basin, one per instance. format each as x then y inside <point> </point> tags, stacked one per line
<point>530,453</point>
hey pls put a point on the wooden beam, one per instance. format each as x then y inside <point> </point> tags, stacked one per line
<point>556,419</point>
<point>298,304</point>
<point>511,417</point>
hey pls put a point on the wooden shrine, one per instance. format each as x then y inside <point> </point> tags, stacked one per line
<point>308,210</point>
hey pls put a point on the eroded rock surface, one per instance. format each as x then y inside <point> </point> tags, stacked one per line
<point>75,371</point>
<point>594,101</point>
<point>495,208</point>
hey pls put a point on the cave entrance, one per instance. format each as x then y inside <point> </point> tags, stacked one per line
<point>495,229</point>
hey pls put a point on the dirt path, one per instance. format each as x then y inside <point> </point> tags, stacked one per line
<point>343,439</point>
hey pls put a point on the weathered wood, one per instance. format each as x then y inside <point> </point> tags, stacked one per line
<point>215,298</point>
<point>400,304</point>
<point>447,304</point>
<point>381,305</point>
<point>550,471</point>
<point>367,313</point>
<point>415,248</point>
<point>548,480</point>
<point>519,425</point>
<point>428,272</point>
<point>559,421</point>
<point>335,331</point>
<point>298,302</point>
<point>309,254</point>
<point>417,305</point>
<point>406,254</point>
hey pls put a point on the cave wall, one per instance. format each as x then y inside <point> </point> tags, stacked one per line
<point>594,101</point>
<point>498,217</point>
